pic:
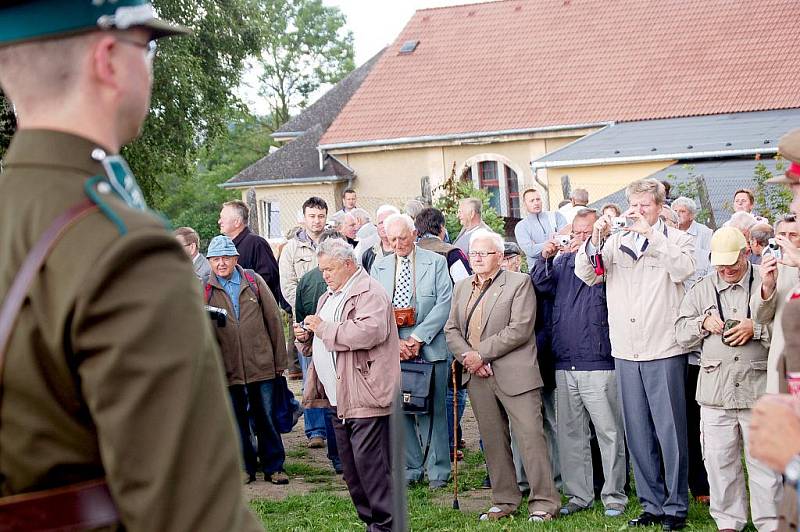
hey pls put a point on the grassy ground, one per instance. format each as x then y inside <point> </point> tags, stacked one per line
<point>324,510</point>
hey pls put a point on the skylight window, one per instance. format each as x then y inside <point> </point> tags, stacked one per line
<point>408,47</point>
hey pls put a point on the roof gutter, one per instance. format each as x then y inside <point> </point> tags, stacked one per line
<point>458,136</point>
<point>320,180</point>
<point>286,135</point>
<point>650,158</point>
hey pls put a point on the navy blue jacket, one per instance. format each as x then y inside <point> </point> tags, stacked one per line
<point>580,315</point>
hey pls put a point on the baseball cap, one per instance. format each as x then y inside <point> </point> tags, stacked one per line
<point>22,20</point>
<point>726,244</point>
<point>221,246</point>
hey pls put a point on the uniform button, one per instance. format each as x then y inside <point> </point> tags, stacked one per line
<point>737,384</point>
<point>734,310</point>
<point>338,378</point>
<point>573,368</point>
<point>635,356</point>
<point>341,416</point>
<point>633,320</point>
<point>736,359</point>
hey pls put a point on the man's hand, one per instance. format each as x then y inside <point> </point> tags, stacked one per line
<point>574,245</point>
<point>713,324</point>
<point>769,275</point>
<point>484,371</point>
<point>550,248</point>
<point>300,334</point>
<point>312,322</point>
<point>791,254</point>
<point>472,361</point>
<point>409,349</point>
<point>775,430</point>
<point>601,229</point>
<point>640,224</point>
<point>741,334</point>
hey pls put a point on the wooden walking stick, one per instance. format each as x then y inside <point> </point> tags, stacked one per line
<point>455,439</point>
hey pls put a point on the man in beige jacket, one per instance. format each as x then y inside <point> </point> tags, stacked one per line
<point>733,375</point>
<point>644,267</point>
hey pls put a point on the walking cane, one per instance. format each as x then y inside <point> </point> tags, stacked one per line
<point>455,439</point>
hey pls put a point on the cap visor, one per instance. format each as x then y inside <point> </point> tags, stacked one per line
<point>161,28</point>
<point>724,258</point>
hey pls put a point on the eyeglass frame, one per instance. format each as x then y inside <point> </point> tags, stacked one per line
<point>482,254</point>
<point>150,47</point>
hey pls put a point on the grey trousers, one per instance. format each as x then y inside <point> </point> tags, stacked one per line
<point>585,396</point>
<point>653,399</point>
<point>550,419</point>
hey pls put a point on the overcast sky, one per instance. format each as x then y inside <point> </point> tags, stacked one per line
<point>374,23</point>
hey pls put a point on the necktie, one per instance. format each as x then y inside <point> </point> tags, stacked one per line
<point>402,292</point>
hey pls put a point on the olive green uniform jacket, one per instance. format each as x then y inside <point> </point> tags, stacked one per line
<point>112,369</point>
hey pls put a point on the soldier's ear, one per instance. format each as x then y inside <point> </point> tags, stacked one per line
<point>104,65</point>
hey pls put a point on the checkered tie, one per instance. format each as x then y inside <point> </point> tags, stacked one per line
<point>402,292</point>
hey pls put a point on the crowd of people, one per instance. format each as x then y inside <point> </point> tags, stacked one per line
<point>638,339</point>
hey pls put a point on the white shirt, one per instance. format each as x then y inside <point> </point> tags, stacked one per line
<point>324,360</point>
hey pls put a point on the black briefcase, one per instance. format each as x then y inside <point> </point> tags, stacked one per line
<point>417,386</point>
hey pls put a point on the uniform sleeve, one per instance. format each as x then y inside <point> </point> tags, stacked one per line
<point>152,380</point>
<point>274,324</point>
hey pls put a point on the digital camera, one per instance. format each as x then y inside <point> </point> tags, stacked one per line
<point>620,222</point>
<point>562,240</point>
<point>774,249</point>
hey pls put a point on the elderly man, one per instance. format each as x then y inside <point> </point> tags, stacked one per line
<point>253,351</point>
<point>381,248</point>
<point>644,268</point>
<point>538,226</point>
<point>469,214</point>
<point>578,200</point>
<point>760,234</point>
<point>686,210</point>
<point>355,369</point>
<point>495,343</point>
<point>255,252</point>
<point>585,379</point>
<point>112,390</point>
<point>190,241</point>
<point>417,278</point>
<point>716,317</point>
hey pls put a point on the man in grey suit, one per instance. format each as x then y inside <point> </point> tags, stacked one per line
<point>418,278</point>
<point>490,331</point>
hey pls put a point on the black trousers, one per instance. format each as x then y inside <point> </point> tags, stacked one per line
<point>365,450</point>
<point>698,477</point>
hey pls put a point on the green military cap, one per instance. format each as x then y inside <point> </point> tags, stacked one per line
<point>789,147</point>
<point>22,20</point>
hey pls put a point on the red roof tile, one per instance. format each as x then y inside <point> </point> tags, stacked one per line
<point>520,64</point>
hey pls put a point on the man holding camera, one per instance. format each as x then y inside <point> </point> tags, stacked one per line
<point>644,266</point>
<point>419,284</point>
<point>716,317</point>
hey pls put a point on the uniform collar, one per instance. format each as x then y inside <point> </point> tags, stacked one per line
<point>40,147</point>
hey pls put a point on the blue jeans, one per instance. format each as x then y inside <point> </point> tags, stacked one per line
<point>313,418</point>
<point>270,446</point>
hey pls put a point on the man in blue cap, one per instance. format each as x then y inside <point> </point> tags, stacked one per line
<point>113,410</point>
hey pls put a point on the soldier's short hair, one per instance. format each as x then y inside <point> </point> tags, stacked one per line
<point>189,235</point>
<point>240,208</point>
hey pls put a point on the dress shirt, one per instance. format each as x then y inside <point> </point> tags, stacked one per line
<point>232,287</point>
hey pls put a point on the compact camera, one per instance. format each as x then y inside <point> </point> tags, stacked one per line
<point>220,315</point>
<point>620,222</point>
<point>562,240</point>
<point>774,249</point>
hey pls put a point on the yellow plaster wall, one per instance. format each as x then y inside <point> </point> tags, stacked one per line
<point>291,198</point>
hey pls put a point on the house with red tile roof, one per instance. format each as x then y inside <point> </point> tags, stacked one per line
<point>490,89</point>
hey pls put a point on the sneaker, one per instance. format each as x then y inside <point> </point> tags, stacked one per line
<point>571,508</point>
<point>316,442</point>
<point>614,510</point>
<point>278,477</point>
<point>540,517</point>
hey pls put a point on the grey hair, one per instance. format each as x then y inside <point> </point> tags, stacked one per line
<point>414,207</point>
<point>689,203</point>
<point>647,186</point>
<point>742,220</point>
<point>673,216</point>
<point>406,219</point>
<point>337,249</point>
<point>475,204</point>
<point>761,233</point>
<point>361,214</point>
<point>580,196</point>
<point>386,208</point>
<point>485,234</point>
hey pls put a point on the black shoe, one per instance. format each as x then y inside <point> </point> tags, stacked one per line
<point>646,519</point>
<point>670,522</point>
<point>487,483</point>
<point>250,479</point>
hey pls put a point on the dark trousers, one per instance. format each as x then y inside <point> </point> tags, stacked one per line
<point>258,396</point>
<point>698,478</point>
<point>365,451</point>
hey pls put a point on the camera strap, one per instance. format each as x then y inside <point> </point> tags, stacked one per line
<point>749,290</point>
<point>477,302</point>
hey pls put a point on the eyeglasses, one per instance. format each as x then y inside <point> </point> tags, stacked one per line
<point>150,47</point>
<point>482,254</point>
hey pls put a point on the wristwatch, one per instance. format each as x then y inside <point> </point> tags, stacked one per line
<point>792,472</point>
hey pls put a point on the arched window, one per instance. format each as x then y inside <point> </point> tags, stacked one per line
<point>494,174</point>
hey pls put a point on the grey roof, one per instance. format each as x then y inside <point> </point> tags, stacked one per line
<point>736,134</point>
<point>325,110</point>
<point>297,161</point>
<point>722,177</point>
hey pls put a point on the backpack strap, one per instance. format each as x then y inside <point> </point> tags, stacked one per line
<point>250,277</point>
<point>208,290</point>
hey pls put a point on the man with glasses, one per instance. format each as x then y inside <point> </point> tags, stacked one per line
<point>494,342</point>
<point>189,239</point>
<point>112,390</point>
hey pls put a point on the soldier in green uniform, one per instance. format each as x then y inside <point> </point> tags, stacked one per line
<point>111,370</point>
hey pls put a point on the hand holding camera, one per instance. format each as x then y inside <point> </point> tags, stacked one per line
<point>601,229</point>
<point>713,323</point>
<point>638,223</point>
<point>790,254</point>
<point>549,249</point>
<point>301,333</point>
<point>769,274</point>
<point>737,332</point>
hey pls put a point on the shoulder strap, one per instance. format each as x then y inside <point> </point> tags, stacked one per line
<point>208,290</point>
<point>15,298</point>
<point>250,277</point>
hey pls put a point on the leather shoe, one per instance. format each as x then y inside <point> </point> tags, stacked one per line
<point>437,484</point>
<point>250,478</point>
<point>646,519</point>
<point>486,484</point>
<point>670,522</point>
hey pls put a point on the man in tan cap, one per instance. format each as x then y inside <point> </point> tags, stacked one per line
<point>772,439</point>
<point>716,318</point>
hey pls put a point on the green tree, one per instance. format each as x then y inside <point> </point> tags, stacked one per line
<point>452,191</point>
<point>771,201</point>
<point>305,45</point>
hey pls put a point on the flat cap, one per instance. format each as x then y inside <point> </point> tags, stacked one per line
<point>221,246</point>
<point>789,148</point>
<point>28,20</point>
<point>510,249</point>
